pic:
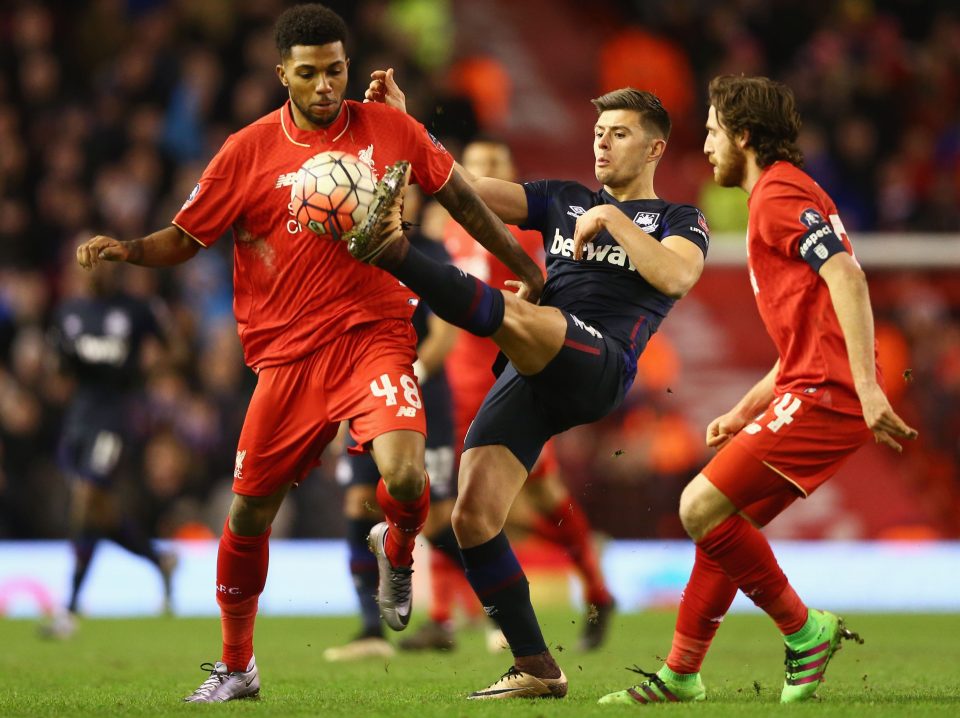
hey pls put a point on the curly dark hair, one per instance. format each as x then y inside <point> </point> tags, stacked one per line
<point>653,115</point>
<point>765,109</point>
<point>311,24</point>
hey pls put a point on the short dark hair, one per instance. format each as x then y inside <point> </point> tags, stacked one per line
<point>653,115</point>
<point>311,24</point>
<point>764,108</point>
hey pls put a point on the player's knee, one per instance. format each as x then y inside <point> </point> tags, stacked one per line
<point>693,514</point>
<point>469,524</point>
<point>404,478</point>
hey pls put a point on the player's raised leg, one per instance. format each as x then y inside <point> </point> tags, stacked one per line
<point>490,478</point>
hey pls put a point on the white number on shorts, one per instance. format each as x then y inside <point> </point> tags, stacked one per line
<point>784,411</point>
<point>388,390</point>
<point>411,394</point>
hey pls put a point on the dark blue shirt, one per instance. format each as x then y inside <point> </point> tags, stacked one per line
<point>101,340</point>
<point>604,289</point>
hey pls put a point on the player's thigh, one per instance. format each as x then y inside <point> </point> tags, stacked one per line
<point>798,441</point>
<point>381,394</point>
<point>511,416</point>
<point>585,381</point>
<point>286,428</point>
<point>531,335</point>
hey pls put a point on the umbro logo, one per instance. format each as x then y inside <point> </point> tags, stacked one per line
<point>576,210</point>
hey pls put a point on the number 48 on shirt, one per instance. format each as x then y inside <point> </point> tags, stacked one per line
<point>385,388</point>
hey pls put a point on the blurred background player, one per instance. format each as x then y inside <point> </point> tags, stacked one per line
<point>552,512</point>
<point>102,339</point>
<point>822,400</point>
<point>435,338</point>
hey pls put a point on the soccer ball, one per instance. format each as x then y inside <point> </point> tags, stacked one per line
<point>331,193</point>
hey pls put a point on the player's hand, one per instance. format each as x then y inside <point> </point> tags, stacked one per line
<point>522,290</point>
<point>99,248</point>
<point>883,420</point>
<point>589,224</point>
<point>383,88</point>
<point>724,428</point>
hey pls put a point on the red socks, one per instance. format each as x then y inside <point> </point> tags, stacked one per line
<point>241,575</point>
<point>703,605</point>
<point>745,556</point>
<point>406,519</point>
<point>567,526</point>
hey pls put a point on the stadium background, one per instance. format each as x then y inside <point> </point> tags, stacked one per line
<point>110,109</point>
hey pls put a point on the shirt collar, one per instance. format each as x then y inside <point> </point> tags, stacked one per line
<point>323,135</point>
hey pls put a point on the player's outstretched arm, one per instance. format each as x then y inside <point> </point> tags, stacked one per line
<point>507,199</point>
<point>164,248</point>
<point>468,209</point>
<point>725,427</point>
<point>851,301</point>
<point>672,265</point>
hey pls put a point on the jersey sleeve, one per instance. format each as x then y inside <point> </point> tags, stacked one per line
<point>430,163</point>
<point>792,220</point>
<point>688,222</point>
<point>538,202</point>
<point>216,201</point>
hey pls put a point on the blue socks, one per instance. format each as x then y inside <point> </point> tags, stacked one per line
<point>499,582</point>
<point>455,296</point>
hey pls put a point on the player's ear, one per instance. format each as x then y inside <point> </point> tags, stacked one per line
<point>743,139</point>
<point>657,147</point>
<point>282,75</point>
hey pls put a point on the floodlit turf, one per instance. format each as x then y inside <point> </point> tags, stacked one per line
<point>907,667</point>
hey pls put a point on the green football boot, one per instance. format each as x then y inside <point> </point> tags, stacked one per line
<point>806,663</point>
<point>660,687</point>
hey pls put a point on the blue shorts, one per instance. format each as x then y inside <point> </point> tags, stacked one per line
<point>585,381</point>
<point>90,454</point>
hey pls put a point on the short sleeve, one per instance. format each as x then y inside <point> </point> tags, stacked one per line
<point>431,164</point>
<point>538,197</point>
<point>216,201</point>
<point>791,220</point>
<point>688,222</point>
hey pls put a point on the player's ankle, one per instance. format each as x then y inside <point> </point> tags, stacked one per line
<point>540,665</point>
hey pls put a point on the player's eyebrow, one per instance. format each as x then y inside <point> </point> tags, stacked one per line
<point>611,127</point>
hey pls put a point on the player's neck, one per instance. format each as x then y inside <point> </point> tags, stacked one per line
<point>302,123</point>
<point>640,188</point>
<point>751,174</point>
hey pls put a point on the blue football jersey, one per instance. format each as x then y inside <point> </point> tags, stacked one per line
<point>605,290</point>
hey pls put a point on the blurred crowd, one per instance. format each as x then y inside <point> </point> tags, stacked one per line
<point>109,110</point>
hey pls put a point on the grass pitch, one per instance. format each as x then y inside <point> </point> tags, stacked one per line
<point>142,667</point>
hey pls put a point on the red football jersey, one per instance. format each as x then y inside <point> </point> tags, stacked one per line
<point>469,362</point>
<point>295,290</point>
<point>793,300</point>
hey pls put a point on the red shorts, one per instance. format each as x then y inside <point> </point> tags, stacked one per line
<point>796,440</point>
<point>364,376</point>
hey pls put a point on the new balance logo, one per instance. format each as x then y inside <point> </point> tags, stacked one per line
<point>286,180</point>
<point>407,411</point>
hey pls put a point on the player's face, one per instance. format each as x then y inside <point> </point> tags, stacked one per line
<point>489,159</point>
<point>316,76</point>
<point>622,149</point>
<point>728,160</point>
